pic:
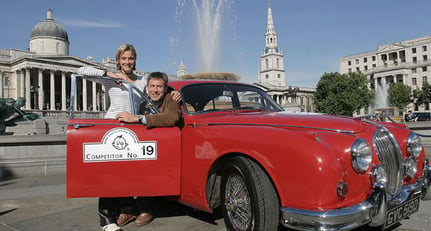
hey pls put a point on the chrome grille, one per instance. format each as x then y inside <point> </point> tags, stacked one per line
<point>389,154</point>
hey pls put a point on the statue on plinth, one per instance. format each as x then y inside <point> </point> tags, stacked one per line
<point>10,112</point>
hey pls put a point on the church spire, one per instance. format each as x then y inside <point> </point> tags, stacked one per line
<point>271,35</point>
<point>271,61</point>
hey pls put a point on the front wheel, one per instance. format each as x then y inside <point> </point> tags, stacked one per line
<point>250,202</point>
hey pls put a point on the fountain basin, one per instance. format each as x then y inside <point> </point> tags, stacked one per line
<point>212,75</point>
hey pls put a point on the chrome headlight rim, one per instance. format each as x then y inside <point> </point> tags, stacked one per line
<point>410,167</point>
<point>361,156</point>
<point>414,145</point>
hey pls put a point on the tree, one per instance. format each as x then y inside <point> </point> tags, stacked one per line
<point>342,94</point>
<point>423,96</point>
<point>399,95</point>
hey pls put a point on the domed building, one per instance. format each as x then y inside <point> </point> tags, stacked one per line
<point>49,37</point>
<point>42,74</point>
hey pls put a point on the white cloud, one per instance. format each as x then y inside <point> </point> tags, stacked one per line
<point>90,24</point>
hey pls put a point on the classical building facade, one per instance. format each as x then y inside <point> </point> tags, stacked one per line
<point>42,74</point>
<point>404,62</point>
<point>272,77</point>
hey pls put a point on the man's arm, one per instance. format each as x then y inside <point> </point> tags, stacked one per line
<point>168,117</point>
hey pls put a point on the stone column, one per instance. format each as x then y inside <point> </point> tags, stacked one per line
<point>27,89</point>
<point>104,95</point>
<point>17,83</point>
<point>93,97</point>
<point>52,91</point>
<point>84,95</point>
<point>75,99</point>
<point>1,84</point>
<point>41,89</point>
<point>63,91</point>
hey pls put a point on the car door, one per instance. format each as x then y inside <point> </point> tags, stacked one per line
<point>106,158</point>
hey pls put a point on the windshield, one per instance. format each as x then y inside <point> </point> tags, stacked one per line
<point>201,98</point>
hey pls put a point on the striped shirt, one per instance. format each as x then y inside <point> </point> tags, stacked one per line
<point>118,95</point>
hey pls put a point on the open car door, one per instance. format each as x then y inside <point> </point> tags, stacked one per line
<point>106,158</point>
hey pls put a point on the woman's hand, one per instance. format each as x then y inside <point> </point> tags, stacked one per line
<point>176,96</point>
<point>118,75</point>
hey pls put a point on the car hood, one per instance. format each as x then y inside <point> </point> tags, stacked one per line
<point>287,119</point>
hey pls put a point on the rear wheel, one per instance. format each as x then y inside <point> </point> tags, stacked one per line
<point>250,202</point>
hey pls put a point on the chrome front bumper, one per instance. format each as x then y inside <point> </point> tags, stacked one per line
<point>371,211</point>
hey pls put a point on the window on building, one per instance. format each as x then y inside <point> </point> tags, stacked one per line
<point>424,79</point>
<point>278,63</point>
<point>425,57</point>
<point>373,58</point>
<point>366,67</point>
<point>424,48</point>
<point>357,69</point>
<point>266,76</point>
<point>374,65</point>
<point>415,59</point>
<point>414,50</point>
<point>278,76</point>
<point>357,61</point>
<point>414,82</point>
<point>365,59</point>
<point>349,63</point>
<point>424,69</point>
<point>349,70</point>
<point>403,56</point>
<point>414,70</point>
<point>266,63</point>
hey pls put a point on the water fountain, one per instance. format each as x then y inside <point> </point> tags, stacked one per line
<point>209,24</point>
<point>381,104</point>
<point>381,98</point>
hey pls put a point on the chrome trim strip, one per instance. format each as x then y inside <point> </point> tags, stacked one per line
<point>276,125</point>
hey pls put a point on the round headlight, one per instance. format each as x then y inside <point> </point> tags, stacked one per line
<point>410,167</point>
<point>414,145</point>
<point>361,155</point>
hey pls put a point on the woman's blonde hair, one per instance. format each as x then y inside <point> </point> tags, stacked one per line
<point>123,48</point>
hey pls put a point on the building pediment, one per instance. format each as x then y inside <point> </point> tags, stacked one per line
<point>390,47</point>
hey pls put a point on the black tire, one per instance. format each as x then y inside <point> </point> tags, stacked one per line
<point>249,200</point>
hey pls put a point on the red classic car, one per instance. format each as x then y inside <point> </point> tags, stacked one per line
<point>238,150</point>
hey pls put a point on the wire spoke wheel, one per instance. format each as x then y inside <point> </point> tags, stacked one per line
<point>250,202</point>
<point>237,203</point>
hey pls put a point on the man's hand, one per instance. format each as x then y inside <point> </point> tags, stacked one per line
<point>127,117</point>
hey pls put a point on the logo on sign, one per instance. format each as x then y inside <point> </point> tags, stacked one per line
<point>119,143</point>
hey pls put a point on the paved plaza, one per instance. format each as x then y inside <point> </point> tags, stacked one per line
<point>39,204</point>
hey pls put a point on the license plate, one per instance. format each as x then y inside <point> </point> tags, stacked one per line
<point>402,211</point>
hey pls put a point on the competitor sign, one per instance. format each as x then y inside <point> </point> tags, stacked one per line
<point>120,144</point>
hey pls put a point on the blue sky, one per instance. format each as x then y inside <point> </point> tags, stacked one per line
<point>313,34</point>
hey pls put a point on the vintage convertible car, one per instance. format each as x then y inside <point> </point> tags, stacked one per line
<point>238,150</point>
